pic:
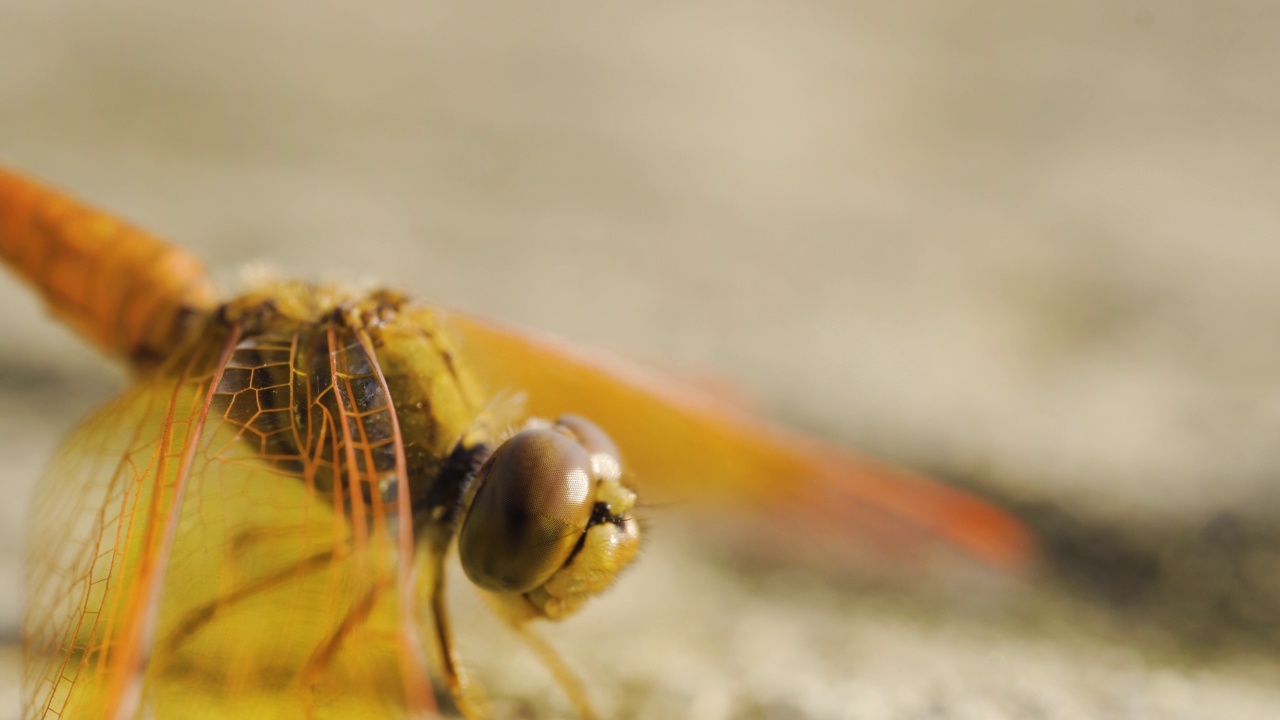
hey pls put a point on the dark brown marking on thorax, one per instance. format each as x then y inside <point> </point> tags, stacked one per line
<point>302,391</point>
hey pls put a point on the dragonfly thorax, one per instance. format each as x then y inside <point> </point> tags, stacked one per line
<point>351,394</point>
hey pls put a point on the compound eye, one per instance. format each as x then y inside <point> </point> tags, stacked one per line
<point>588,434</point>
<point>533,502</point>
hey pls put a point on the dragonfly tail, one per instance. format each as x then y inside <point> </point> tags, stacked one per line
<point>129,293</point>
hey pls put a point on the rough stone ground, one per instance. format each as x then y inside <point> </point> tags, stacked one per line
<point>1032,249</point>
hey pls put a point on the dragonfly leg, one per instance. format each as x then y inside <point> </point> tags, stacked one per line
<point>198,618</point>
<point>565,677</point>
<point>324,654</point>
<point>246,541</point>
<point>515,614</point>
<point>466,694</point>
<point>358,613</point>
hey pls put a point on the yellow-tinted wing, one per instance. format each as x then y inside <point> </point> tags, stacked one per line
<point>686,445</point>
<point>183,564</point>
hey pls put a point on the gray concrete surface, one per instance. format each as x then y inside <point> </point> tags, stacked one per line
<point>1031,248</point>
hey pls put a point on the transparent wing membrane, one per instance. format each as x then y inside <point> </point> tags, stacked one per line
<point>285,589</point>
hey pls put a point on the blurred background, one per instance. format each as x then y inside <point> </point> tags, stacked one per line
<point>1033,250</point>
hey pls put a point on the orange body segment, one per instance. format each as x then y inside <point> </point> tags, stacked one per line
<point>129,293</point>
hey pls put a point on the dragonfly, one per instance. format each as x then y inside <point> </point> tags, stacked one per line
<point>261,525</point>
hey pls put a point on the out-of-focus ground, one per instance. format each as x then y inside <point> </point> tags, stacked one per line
<point>1034,249</point>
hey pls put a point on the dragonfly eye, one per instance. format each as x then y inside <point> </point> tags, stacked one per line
<point>549,517</point>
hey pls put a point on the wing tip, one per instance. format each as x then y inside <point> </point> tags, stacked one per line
<point>846,486</point>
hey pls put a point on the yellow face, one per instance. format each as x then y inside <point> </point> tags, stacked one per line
<point>550,518</point>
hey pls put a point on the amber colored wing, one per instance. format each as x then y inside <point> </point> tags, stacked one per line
<point>687,445</point>
<point>183,565</point>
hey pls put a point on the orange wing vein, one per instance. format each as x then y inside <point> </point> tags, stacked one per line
<point>240,558</point>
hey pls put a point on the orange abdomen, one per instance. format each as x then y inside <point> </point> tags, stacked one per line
<point>129,293</point>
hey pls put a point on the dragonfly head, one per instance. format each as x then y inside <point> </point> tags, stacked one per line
<point>550,518</point>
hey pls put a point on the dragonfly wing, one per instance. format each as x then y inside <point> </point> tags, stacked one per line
<point>688,445</point>
<point>85,509</point>
<point>184,564</point>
